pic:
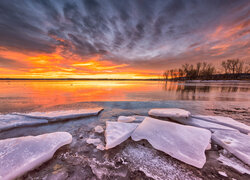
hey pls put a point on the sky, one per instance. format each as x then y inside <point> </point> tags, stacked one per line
<point>118,38</point>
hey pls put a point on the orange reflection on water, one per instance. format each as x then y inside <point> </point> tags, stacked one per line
<point>51,93</point>
<point>30,94</point>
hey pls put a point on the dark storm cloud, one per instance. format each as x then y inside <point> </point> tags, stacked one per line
<point>128,31</point>
<point>11,64</point>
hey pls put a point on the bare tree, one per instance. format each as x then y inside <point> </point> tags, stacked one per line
<point>166,74</point>
<point>171,73</point>
<point>181,72</point>
<point>233,66</point>
<point>198,67</point>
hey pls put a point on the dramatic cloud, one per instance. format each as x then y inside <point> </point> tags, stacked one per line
<point>119,38</point>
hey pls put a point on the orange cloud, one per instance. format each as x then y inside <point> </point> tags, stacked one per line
<point>69,66</point>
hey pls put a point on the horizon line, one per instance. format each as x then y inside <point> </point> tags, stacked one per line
<point>152,79</point>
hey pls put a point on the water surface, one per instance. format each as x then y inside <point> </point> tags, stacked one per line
<point>29,94</point>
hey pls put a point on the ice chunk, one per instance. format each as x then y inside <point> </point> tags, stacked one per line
<point>226,121</point>
<point>94,141</point>
<point>185,143</point>
<point>127,119</point>
<point>235,164</point>
<point>63,115</point>
<point>222,173</point>
<point>155,165</point>
<point>100,147</point>
<point>117,132</point>
<point>235,142</point>
<point>169,113</point>
<point>10,121</point>
<point>202,124</point>
<point>99,129</point>
<point>20,155</point>
<point>209,146</point>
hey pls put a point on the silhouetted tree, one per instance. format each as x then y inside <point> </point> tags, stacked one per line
<point>232,66</point>
<point>207,71</point>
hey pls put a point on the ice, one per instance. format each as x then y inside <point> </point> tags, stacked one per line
<point>202,124</point>
<point>94,141</point>
<point>235,142</point>
<point>169,112</point>
<point>100,147</point>
<point>63,115</point>
<point>155,165</point>
<point>20,155</point>
<point>99,129</point>
<point>209,146</point>
<point>185,143</point>
<point>222,173</point>
<point>10,121</point>
<point>117,132</point>
<point>226,121</point>
<point>235,164</point>
<point>127,119</point>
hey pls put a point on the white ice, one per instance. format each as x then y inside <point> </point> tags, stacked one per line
<point>235,142</point>
<point>169,113</point>
<point>22,154</point>
<point>63,115</point>
<point>223,173</point>
<point>10,121</point>
<point>235,164</point>
<point>94,141</point>
<point>226,121</point>
<point>127,119</point>
<point>117,132</point>
<point>99,129</point>
<point>156,166</point>
<point>203,124</point>
<point>185,143</point>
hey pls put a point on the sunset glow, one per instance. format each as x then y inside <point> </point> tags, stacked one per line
<point>96,39</point>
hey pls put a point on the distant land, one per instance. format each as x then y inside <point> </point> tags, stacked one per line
<point>81,79</point>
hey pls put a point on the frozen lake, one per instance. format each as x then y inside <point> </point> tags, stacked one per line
<point>29,94</point>
<point>121,98</point>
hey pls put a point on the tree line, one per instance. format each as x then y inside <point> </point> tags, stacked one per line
<point>231,69</point>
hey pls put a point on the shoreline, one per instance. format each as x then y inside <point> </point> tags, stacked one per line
<point>83,160</point>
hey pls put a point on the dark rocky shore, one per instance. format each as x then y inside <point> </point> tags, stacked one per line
<point>129,160</point>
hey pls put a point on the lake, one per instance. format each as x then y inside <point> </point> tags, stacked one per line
<point>30,94</point>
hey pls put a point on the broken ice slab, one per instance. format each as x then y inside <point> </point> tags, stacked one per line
<point>185,143</point>
<point>98,129</point>
<point>63,115</point>
<point>10,121</point>
<point>235,164</point>
<point>117,132</point>
<point>226,121</point>
<point>127,119</point>
<point>169,113</point>
<point>155,165</point>
<point>203,124</point>
<point>94,141</point>
<point>235,142</point>
<point>22,154</point>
